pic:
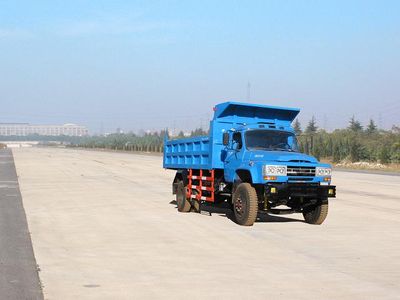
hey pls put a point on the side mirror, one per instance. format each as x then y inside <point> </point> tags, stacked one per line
<point>236,146</point>
<point>225,139</point>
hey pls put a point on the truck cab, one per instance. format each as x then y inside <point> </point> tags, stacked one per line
<point>253,162</point>
<point>270,156</point>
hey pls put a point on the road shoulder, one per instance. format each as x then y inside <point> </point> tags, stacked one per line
<point>19,277</point>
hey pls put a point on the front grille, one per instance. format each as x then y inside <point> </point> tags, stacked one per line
<point>301,171</point>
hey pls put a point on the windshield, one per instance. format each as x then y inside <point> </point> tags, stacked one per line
<point>271,140</point>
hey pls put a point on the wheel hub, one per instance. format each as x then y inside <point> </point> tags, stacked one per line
<point>239,207</point>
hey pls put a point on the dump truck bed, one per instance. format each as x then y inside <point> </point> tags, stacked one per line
<point>189,153</point>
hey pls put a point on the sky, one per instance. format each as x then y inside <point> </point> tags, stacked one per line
<point>164,64</point>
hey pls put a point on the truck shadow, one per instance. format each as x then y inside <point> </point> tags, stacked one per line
<point>223,210</point>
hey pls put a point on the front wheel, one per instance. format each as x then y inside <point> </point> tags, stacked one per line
<point>245,204</point>
<point>316,214</point>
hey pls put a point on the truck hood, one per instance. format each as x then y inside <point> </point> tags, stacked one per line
<point>281,156</point>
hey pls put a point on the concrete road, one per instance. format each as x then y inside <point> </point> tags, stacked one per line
<point>103,228</point>
<point>18,272</point>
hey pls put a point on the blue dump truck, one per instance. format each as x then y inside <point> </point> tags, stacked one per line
<point>251,161</point>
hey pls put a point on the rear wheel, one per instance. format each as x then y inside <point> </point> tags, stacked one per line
<point>181,200</point>
<point>196,206</point>
<point>316,214</point>
<point>245,204</point>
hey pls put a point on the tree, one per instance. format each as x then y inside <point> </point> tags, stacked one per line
<point>384,155</point>
<point>354,125</point>
<point>198,132</point>
<point>354,149</point>
<point>317,147</point>
<point>336,153</point>
<point>181,135</point>
<point>371,128</point>
<point>396,129</point>
<point>336,145</point>
<point>396,153</point>
<point>312,126</point>
<point>297,127</point>
<point>164,133</point>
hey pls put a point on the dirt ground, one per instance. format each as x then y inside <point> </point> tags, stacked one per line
<point>103,226</point>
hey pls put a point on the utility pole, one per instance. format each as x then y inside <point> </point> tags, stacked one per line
<point>248,92</point>
<point>380,121</point>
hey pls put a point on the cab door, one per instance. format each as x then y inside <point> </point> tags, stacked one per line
<point>233,156</point>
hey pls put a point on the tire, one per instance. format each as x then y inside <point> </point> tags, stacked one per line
<point>317,214</point>
<point>245,204</point>
<point>181,200</point>
<point>196,206</point>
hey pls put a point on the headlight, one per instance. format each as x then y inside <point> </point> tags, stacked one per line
<point>275,170</point>
<point>320,171</point>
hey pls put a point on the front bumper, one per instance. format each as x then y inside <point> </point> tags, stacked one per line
<point>309,190</point>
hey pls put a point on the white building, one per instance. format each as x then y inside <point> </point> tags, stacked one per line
<point>24,129</point>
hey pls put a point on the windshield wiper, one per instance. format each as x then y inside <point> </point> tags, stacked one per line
<point>258,148</point>
<point>281,149</point>
<point>271,149</point>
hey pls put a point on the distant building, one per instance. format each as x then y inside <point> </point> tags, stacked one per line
<point>25,129</point>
